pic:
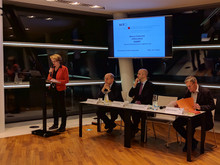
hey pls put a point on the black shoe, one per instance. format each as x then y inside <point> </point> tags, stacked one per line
<point>194,144</point>
<point>61,130</point>
<point>109,130</point>
<point>133,132</point>
<point>111,127</point>
<point>114,125</point>
<point>106,126</point>
<point>53,127</point>
<point>185,148</point>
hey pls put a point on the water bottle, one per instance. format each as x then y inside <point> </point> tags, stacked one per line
<point>16,79</point>
<point>106,99</point>
<point>155,106</point>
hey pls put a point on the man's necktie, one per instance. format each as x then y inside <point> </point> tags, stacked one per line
<point>140,90</point>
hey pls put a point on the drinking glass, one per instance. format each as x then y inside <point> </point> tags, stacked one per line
<point>155,106</point>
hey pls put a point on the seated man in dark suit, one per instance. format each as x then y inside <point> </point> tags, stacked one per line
<point>109,91</point>
<point>142,93</point>
<point>203,102</point>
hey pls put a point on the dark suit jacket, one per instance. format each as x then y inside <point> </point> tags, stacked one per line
<point>146,94</point>
<point>206,102</point>
<point>114,94</point>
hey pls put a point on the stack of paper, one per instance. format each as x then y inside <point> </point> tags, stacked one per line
<point>174,110</point>
<point>187,104</point>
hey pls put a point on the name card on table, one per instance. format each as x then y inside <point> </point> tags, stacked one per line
<point>139,106</point>
<point>174,110</point>
<point>117,104</point>
<point>92,101</point>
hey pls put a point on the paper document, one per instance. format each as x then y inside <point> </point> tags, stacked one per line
<point>174,110</point>
<point>92,101</point>
<point>187,104</point>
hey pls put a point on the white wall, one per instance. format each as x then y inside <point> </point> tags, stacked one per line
<point>126,68</point>
<point>2,99</point>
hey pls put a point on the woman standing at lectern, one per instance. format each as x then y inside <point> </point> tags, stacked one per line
<point>58,76</point>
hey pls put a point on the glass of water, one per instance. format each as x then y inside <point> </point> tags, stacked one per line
<point>155,99</point>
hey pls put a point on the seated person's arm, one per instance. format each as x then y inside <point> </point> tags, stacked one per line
<point>172,104</point>
<point>105,89</point>
<point>132,91</point>
<point>208,106</point>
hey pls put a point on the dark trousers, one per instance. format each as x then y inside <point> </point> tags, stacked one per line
<point>136,117</point>
<point>101,113</point>
<point>59,108</point>
<point>180,122</point>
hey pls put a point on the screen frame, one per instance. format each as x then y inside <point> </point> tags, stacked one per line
<point>168,37</point>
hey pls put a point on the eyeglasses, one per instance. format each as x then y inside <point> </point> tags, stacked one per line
<point>190,85</point>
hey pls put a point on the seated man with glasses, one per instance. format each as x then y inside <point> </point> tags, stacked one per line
<point>110,91</point>
<point>203,102</point>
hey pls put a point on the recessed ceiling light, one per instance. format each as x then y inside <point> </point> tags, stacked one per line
<point>74,3</point>
<point>51,0</point>
<point>10,28</point>
<point>11,35</point>
<point>49,19</point>
<point>96,6</point>
<point>27,29</point>
<point>31,16</point>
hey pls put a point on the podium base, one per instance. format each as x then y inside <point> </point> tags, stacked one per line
<point>43,133</point>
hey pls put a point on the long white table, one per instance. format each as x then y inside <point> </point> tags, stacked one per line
<point>144,109</point>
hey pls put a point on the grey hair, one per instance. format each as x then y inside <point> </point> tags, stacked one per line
<point>190,79</point>
<point>111,75</point>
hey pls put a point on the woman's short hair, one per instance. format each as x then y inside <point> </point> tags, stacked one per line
<point>56,57</point>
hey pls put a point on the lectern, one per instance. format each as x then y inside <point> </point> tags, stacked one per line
<point>38,98</point>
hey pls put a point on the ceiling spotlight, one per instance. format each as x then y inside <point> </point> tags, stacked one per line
<point>74,3</point>
<point>26,29</point>
<point>49,19</point>
<point>11,35</point>
<point>31,16</point>
<point>10,28</point>
<point>96,7</point>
